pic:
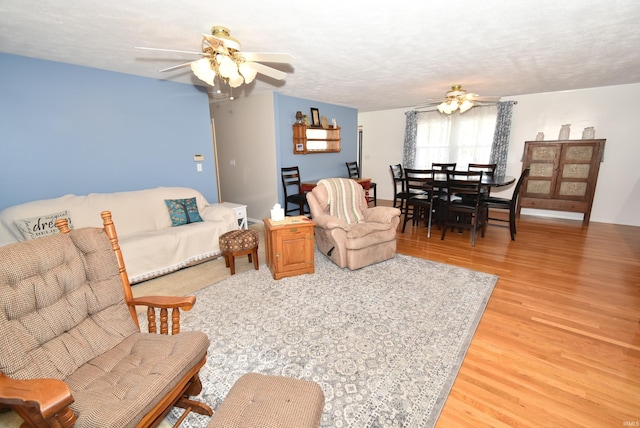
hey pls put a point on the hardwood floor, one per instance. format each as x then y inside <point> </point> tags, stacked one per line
<point>559,342</point>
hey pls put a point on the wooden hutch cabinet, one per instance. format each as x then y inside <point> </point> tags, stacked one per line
<point>563,175</point>
<point>289,246</point>
<point>308,139</point>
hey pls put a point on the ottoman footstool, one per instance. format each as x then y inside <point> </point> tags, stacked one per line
<point>239,243</point>
<point>258,400</point>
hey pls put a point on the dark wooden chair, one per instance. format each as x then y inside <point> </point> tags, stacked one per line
<point>444,166</point>
<point>293,194</point>
<point>354,172</point>
<point>487,169</point>
<point>463,207</point>
<point>493,203</point>
<point>399,192</point>
<point>419,204</point>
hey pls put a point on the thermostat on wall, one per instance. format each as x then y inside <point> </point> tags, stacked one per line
<point>198,158</point>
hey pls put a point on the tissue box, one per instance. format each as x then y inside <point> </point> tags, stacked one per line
<point>277,214</point>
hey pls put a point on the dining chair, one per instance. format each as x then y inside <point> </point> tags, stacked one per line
<point>488,169</point>
<point>463,208</point>
<point>493,203</point>
<point>293,194</point>
<point>444,166</point>
<point>354,172</point>
<point>399,195</point>
<point>419,204</point>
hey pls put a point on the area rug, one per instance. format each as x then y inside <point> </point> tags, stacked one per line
<point>384,342</point>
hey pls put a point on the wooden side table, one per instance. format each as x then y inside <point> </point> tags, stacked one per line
<point>289,246</point>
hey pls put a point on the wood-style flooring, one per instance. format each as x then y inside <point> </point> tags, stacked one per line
<point>559,342</point>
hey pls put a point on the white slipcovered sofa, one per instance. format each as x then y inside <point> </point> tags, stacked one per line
<point>151,245</point>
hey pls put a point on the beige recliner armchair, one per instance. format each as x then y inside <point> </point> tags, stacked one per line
<point>347,231</point>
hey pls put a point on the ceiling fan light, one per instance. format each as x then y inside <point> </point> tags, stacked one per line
<point>226,67</point>
<point>235,81</point>
<point>466,105</point>
<point>202,69</point>
<point>248,72</point>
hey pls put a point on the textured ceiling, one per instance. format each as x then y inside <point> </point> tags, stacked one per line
<point>373,55</point>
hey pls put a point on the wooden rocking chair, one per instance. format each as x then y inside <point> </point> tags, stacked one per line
<point>71,350</point>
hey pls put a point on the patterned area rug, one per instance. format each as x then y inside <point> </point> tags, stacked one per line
<point>385,342</point>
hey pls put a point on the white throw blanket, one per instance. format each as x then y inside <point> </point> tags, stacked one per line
<point>343,199</point>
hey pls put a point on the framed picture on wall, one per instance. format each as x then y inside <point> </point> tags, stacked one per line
<point>315,117</point>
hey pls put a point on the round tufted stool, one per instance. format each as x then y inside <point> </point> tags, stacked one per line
<point>258,400</point>
<point>238,243</point>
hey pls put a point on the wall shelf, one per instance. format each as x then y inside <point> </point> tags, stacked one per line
<point>309,139</point>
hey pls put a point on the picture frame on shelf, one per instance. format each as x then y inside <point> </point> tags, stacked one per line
<point>315,117</point>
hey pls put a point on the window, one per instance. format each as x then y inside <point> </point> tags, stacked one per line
<point>461,138</point>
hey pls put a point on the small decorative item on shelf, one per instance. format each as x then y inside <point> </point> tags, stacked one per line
<point>589,133</point>
<point>324,122</point>
<point>299,118</point>
<point>334,123</point>
<point>564,132</point>
<point>315,117</point>
<point>540,136</point>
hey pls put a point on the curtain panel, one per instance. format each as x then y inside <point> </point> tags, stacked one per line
<point>410,139</point>
<point>500,147</point>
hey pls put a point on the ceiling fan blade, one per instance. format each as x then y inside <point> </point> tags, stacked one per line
<point>476,97</point>
<point>268,57</point>
<point>177,66</point>
<point>170,50</point>
<point>268,71</point>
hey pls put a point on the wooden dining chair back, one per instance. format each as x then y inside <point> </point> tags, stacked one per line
<point>399,192</point>
<point>444,166</point>
<point>485,168</point>
<point>488,169</point>
<point>293,194</point>
<point>493,203</point>
<point>354,172</point>
<point>419,184</point>
<point>463,207</point>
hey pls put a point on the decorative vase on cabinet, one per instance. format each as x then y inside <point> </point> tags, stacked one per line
<point>564,132</point>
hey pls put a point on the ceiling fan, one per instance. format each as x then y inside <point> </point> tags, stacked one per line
<point>221,60</point>
<point>459,99</point>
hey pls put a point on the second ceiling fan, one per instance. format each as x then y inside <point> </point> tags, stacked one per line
<point>459,99</point>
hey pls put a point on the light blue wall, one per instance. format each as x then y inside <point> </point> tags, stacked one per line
<point>71,129</point>
<point>317,165</point>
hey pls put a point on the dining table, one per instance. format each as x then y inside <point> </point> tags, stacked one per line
<point>487,180</point>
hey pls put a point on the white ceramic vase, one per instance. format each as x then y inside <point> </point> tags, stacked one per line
<point>564,132</point>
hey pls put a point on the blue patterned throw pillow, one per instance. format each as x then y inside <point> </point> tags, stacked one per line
<point>183,211</point>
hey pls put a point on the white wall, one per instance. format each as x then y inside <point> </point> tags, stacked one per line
<point>245,135</point>
<point>611,110</point>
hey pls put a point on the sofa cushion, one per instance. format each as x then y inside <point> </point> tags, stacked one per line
<point>42,225</point>
<point>183,211</point>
